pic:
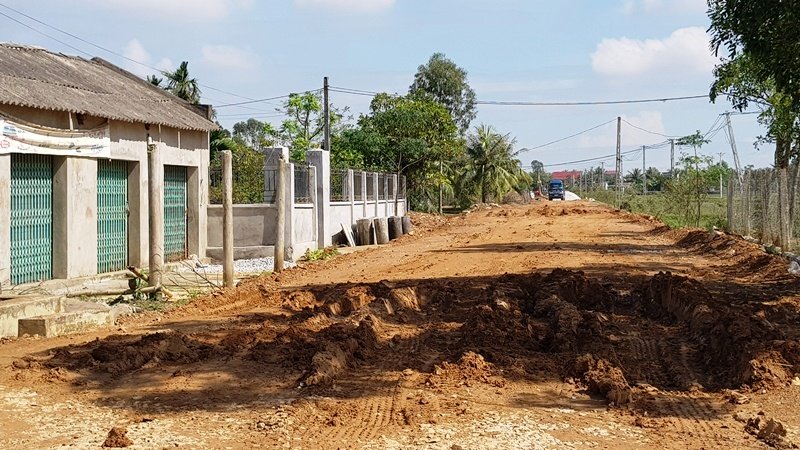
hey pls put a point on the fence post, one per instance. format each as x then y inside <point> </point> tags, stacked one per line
<point>351,195</point>
<point>783,208</point>
<point>747,200</point>
<point>364,193</point>
<point>321,160</point>
<point>155,200</point>
<point>281,184</point>
<point>732,227</point>
<point>375,191</point>
<point>227,217</point>
<point>386,210</point>
<point>314,198</point>
<point>395,195</point>
<point>765,188</point>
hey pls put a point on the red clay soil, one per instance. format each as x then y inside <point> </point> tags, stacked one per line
<point>553,324</point>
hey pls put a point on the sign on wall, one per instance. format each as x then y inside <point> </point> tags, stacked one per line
<point>29,138</point>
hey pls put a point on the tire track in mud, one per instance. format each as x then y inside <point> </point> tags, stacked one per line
<point>369,416</point>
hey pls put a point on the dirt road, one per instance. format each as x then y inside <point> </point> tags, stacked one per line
<point>545,326</point>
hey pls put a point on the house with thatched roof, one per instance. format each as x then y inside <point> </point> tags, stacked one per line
<point>74,167</point>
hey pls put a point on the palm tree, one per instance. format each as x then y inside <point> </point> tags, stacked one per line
<point>492,170</point>
<point>179,83</point>
<point>155,80</point>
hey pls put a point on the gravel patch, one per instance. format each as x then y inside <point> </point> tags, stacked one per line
<point>258,265</point>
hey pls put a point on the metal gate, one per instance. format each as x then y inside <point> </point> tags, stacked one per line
<point>112,215</point>
<point>174,213</point>
<point>31,218</point>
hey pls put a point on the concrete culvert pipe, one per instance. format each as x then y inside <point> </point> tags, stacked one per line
<point>381,230</point>
<point>395,227</point>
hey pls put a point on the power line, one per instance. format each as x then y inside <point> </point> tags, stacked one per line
<point>588,103</point>
<point>647,131</point>
<point>262,100</point>
<point>598,158</point>
<point>568,137</point>
<point>85,41</point>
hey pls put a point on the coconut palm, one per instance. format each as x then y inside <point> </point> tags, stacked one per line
<point>492,169</point>
<point>155,80</point>
<point>179,83</point>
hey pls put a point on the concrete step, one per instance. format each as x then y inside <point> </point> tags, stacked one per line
<point>261,251</point>
<point>15,307</point>
<point>76,317</point>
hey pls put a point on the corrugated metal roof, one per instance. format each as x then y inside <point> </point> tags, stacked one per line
<point>38,78</point>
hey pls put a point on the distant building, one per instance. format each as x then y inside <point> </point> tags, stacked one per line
<point>74,169</point>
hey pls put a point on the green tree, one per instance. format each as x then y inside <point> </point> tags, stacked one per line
<point>655,180</point>
<point>636,178</point>
<point>305,126</point>
<point>765,30</point>
<point>181,84</point>
<point>492,170</point>
<point>254,133</point>
<point>445,82</point>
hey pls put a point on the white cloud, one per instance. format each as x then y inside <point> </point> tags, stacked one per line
<point>227,57</point>
<point>359,6</point>
<point>685,51</point>
<point>630,7</point>
<point>181,9</point>
<point>136,51</point>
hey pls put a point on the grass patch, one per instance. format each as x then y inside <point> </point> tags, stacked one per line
<point>713,211</point>
<point>321,254</point>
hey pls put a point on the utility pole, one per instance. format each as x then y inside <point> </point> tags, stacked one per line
<point>619,161</point>
<point>739,173</point>
<point>644,170</point>
<point>327,113</point>
<point>672,158</point>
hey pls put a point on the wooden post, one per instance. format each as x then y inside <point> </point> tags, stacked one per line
<point>280,205</point>
<point>155,201</point>
<point>364,231</point>
<point>227,218</point>
<point>381,230</point>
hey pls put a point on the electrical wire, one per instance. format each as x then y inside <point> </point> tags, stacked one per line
<point>589,103</point>
<point>85,41</point>
<point>566,138</point>
<point>647,131</point>
<point>262,100</point>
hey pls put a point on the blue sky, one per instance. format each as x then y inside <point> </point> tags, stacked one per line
<point>513,50</point>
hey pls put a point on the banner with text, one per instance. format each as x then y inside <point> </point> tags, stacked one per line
<point>29,138</point>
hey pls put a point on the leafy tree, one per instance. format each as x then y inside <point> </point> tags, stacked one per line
<point>655,179</point>
<point>181,84</point>
<point>492,170</point>
<point>446,83</point>
<point>539,175</point>
<point>254,133</point>
<point>220,140</point>
<point>304,129</point>
<point>767,32</point>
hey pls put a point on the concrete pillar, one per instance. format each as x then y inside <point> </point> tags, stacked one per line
<point>5,221</point>
<point>364,193</point>
<point>288,231</point>
<point>197,192</point>
<point>314,195</point>
<point>386,210</point>
<point>74,217</point>
<point>138,223</point>
<point>322,161</point>
<point>351,195</point>
<point>375,192</point>
<point>395,208</point>
<point>271,159</point>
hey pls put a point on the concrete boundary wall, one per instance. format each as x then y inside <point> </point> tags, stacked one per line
<point>308,225</point>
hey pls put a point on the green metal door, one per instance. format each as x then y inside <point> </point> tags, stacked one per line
<point>174,213</point>
<point>31,218</point>
<point>112,215</point>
